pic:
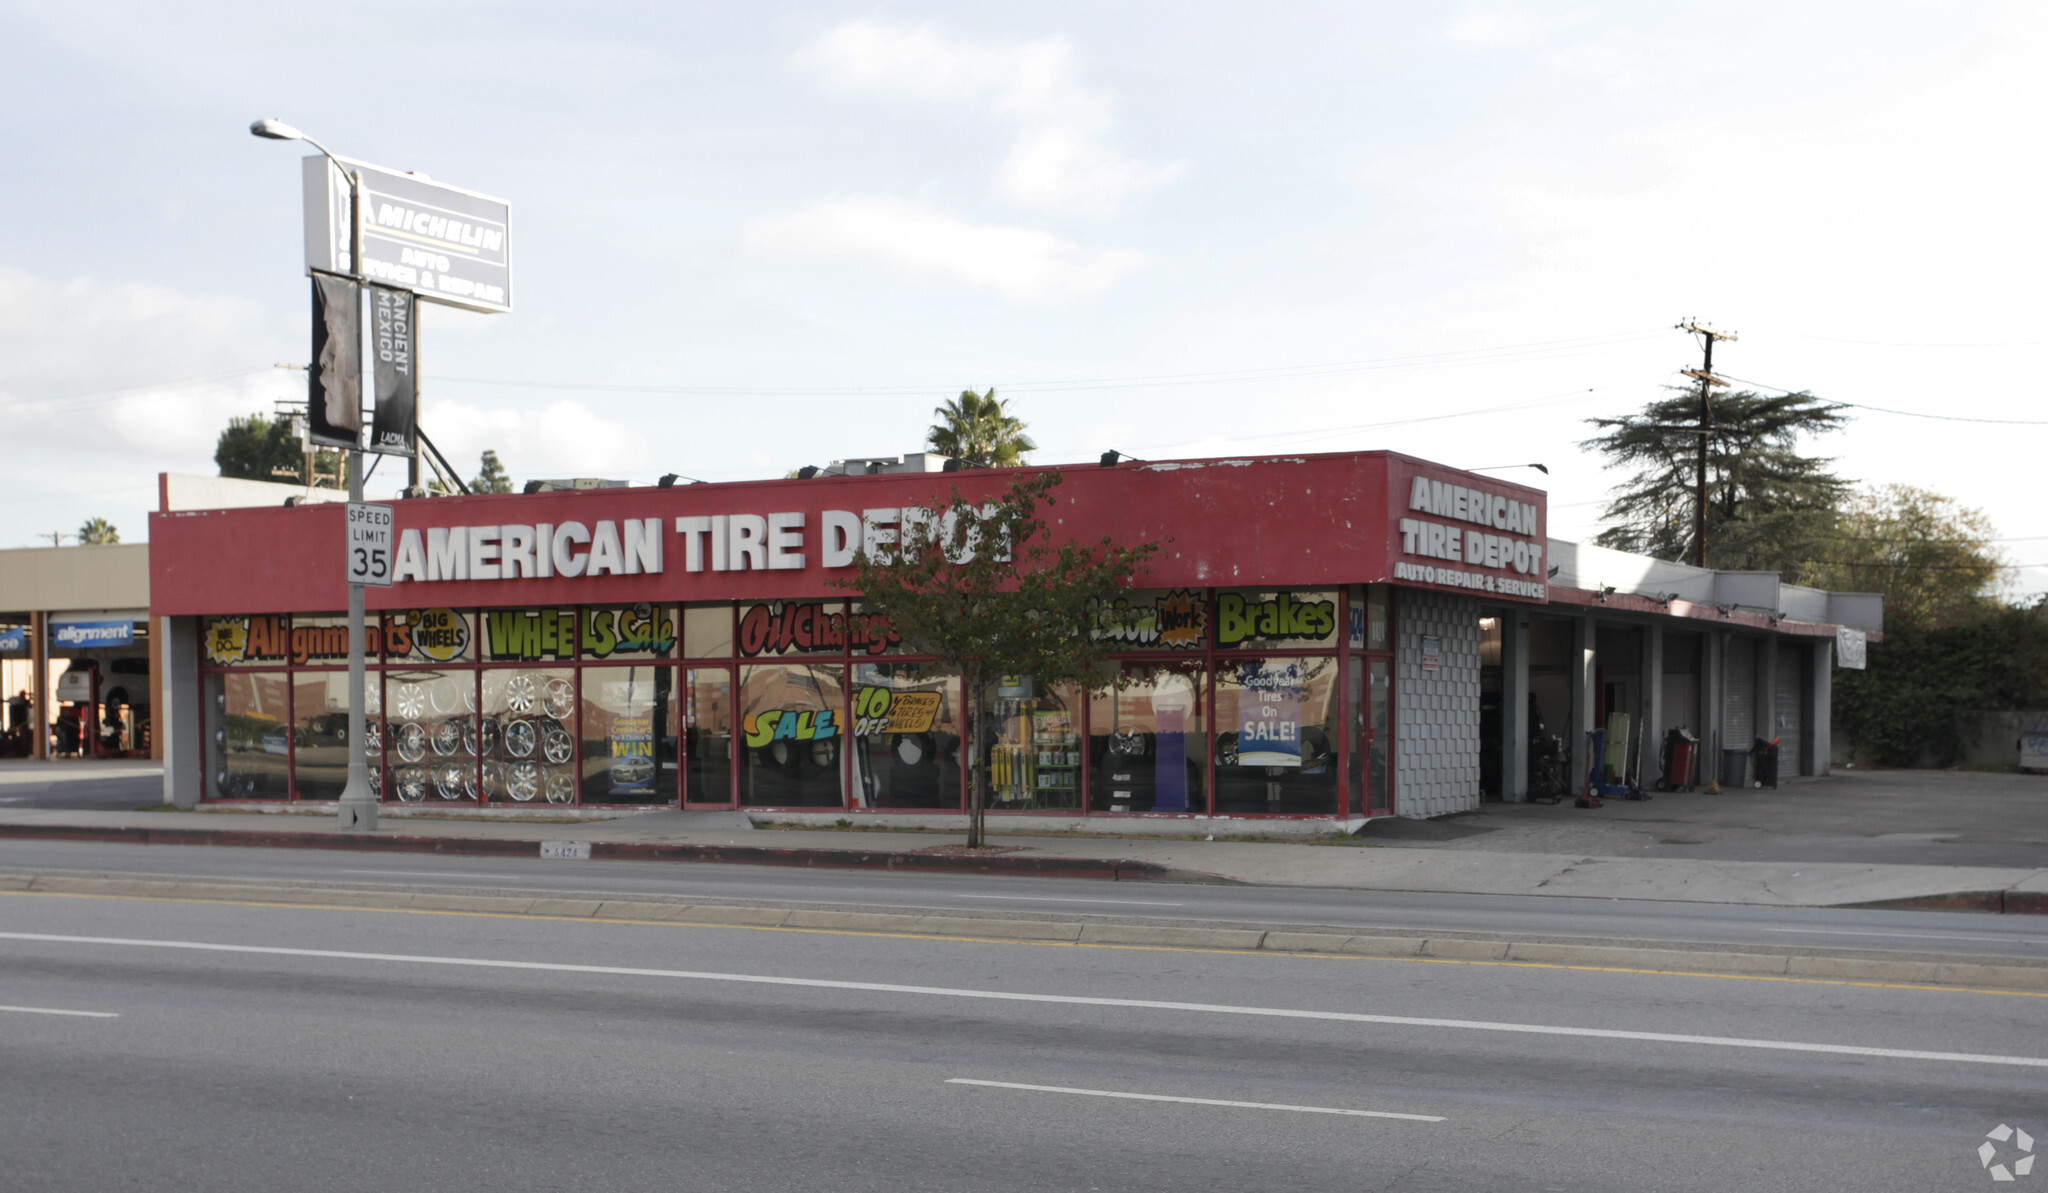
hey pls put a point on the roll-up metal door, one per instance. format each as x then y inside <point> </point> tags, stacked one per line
<point>1738,695</point>
<point>1790,730</point>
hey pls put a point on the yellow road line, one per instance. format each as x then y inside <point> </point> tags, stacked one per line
<point>1065,944</point>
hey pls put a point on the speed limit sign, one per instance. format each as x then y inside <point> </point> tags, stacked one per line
<point>369,545</point>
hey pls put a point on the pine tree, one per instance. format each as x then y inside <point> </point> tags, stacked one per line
<point>1769,508</point>
<point>491,477</point>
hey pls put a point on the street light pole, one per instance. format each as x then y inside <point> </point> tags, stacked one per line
<point>358,806</point>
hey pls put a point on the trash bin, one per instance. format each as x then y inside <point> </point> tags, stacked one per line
<point>1735,768</point>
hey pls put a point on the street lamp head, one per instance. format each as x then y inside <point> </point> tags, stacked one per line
<point>273,129</point>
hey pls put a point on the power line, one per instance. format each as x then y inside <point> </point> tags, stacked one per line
<point>1949,418</point>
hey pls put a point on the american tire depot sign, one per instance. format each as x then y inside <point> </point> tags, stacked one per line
<point>1296,522</point>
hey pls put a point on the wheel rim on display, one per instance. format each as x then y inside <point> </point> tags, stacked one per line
<point>448,780</point>
<point>410,784</point>
<point>410,702</point>
<point>447,738</point>
<point>521,693</point>
<point>556,745</point>
<point>522,781</point>
<point>469,697</point>
<point>441,694</point>
<point>561,786</point>
<point>373,739</point>
<point>520,739</point>
<point>411,742</point>
<point>494,780</point>
<point>558,699</point>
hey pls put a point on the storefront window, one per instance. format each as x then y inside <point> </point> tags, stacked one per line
<point>705,714</point>
<point>1275,742</point>
<point>906,731</point>
<point>1035,750</point>
<point>431,745</point>
<point>1369,628</point>
<point>629,632</point>
<point>1145,741</point>
<point>320,733</point>
<point>790,729</point>
<point>532,714</point>
<point>624,759</point>
<point>1164,619</point>
<point>248,737</point>
<point>707,631</point>
<point>1267,619</point>
<point>429,636</point>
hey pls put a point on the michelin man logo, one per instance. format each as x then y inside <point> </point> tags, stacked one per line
<point>1988,1152</point>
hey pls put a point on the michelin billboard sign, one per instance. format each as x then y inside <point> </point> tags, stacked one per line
<point>443,243</point>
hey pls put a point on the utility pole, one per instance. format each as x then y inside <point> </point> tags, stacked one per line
<point>1705,376</point>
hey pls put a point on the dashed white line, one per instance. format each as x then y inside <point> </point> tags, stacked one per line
<point>56,1011</point>
<point>1111,1093</point>
<point>1072,1000</point>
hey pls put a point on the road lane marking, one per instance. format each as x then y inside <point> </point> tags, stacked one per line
<point>1248,1106</point>
<point>1071,899</point>
<point>1261,954</point>
<point>55,1011</point>
<point>1911,935</point>
<point>1075,1000</point>
<point>1110,1093</point>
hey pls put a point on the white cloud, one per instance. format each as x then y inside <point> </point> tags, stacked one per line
<point>1061,159</point>
<point>1019,263</point>
<point>562,439</point>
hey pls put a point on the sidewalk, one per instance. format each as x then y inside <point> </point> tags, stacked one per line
<point>1450,867</point>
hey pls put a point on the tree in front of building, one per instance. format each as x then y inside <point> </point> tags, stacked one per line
<point>1933,560</point>
<point>491,476</point>
<point>1769,506</point>
<point>979,431</point>
<point>98,532</point>
<point>988,588</point>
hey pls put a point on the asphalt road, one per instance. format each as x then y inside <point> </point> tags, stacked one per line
<point>259,1048</point>
<point>97,786</point>
<point>1926,932</point>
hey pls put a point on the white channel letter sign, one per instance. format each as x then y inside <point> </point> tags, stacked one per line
<point>368,545</point>
<point>1518,549</point>
<point>635,546</point>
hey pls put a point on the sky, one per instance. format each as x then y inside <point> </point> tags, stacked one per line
<point>752,237</point>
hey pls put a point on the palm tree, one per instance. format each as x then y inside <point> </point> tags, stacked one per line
<point>97,532</point>
<point>979,431</point>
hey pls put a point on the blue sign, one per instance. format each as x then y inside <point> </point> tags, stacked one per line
<point>78,635</point>
<point>13,638</point>
<point>1269,714</point>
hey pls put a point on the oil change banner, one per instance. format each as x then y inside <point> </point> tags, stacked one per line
<point>391,339</point>
<point>1269,714</point>
<point>334,395</point>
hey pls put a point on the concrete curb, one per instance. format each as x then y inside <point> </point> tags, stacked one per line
<point>1110,869</point>
<point>1996,902</point>
<point>1972,972</point>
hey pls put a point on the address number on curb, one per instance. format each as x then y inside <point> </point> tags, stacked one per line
<point>369,545</point>
<point>566,851</point>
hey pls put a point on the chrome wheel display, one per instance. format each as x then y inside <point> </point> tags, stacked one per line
<point>561,785</point>
<point>521,693</point>
<point>410,702</point>
<point>558,699</point>
<point>411,742</point>
<point>556,745</point>
<point>442,695</point>
<point>409,783</point>
<point>447,737</point>
<point>522,781</point>
<point>454,781</point>
<point>520,739</point>
<point>494,780</point>
<point>478,736</point>
<point>373,738</point>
